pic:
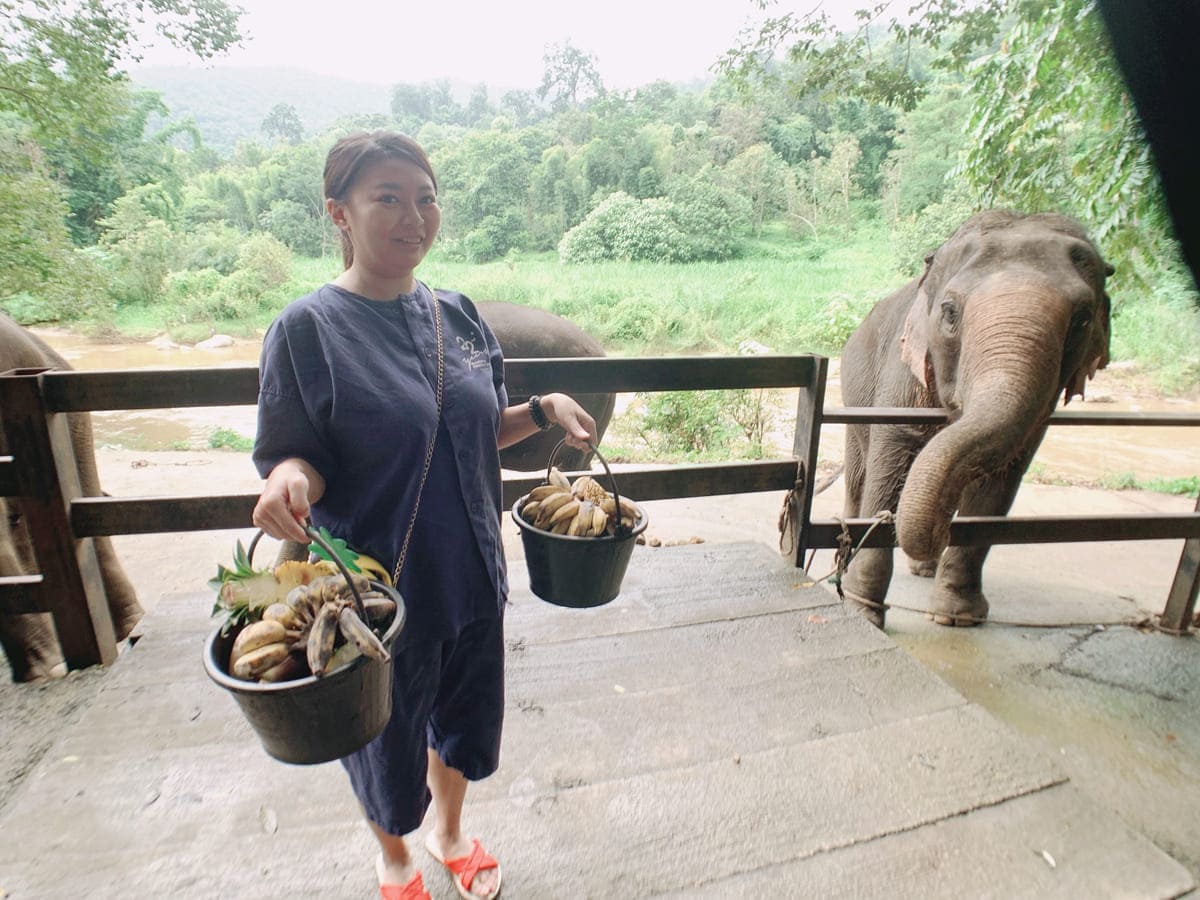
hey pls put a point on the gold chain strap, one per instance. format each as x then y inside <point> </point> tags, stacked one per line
<point>441,365</point>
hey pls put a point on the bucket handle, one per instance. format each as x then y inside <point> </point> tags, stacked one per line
<point>620,531</point>
<point>360,608</point>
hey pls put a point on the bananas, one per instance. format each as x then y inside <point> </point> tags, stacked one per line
<point>312,626</point>
<point>581,509</point>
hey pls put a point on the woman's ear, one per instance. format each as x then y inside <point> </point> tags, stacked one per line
<point>337,212</point>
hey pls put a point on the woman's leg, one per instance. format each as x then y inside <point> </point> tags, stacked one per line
<point>395,864</point>
<point>449,789</point>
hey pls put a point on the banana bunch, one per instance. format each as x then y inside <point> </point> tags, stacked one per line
<point>315,629</point>
<point>580,509</point>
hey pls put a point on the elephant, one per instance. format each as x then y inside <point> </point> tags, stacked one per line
<point>1010,314</point>
<point>29,639</point>
<point>526,332</point>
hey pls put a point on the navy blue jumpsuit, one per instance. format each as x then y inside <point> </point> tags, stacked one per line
<point>348,384</point>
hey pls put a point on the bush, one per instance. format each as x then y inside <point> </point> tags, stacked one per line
<point>688,421</point>
<point>625,228</point>
<point>292,224</point>
<point>914,236</point>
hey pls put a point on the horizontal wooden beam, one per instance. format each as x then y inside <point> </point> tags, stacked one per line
<point>9,480</point>
<point>899,415</point>
<point>974,531</point>
<point>96,516</point>
<point>20,594</point>
<point>674,373</point>
<point>150,388</point>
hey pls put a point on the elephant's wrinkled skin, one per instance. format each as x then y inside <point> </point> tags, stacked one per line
<point>525,332</point>
<point>1010,313</point>
<point>29,640</point>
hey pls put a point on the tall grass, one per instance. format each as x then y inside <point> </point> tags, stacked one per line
<point>788,295</point>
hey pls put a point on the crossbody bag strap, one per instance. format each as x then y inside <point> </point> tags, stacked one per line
<point>441,369</point>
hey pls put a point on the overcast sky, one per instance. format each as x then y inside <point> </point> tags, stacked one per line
<point>502,44</point>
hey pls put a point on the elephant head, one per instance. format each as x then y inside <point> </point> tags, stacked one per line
<point>526,332</point>
<point>1010,314</point>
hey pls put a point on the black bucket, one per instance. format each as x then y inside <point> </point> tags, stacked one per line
<point>314,720</point>
<point>578,572</point>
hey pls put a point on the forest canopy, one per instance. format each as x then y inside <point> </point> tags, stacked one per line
<point>803,138</point>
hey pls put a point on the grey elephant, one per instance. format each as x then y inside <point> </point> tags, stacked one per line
<point>526,332</point>
<point>1010,314</point>
<point>29,640</point>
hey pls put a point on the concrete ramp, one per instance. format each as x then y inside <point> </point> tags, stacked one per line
<point>723,729</point>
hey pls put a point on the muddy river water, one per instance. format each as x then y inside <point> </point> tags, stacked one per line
<point>1072,453</point>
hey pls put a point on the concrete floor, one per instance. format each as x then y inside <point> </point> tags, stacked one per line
<point>723,729</point>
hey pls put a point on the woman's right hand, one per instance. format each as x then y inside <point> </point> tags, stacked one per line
<point>291,489</point>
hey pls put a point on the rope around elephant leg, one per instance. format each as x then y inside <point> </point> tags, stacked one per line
<point>845,554</point>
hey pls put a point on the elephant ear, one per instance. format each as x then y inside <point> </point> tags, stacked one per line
<point>1095,350</point>
<point>914,343</point>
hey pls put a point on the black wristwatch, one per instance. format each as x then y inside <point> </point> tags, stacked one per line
<point>536,413</point>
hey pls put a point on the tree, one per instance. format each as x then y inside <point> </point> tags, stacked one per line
<point>284,122</point>
<point>58,57</point>
<point>764,179</point>
<point>570,76</point>
<point>1050,123</point>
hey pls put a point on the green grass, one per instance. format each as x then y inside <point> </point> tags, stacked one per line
<point>791,295</point>
<point>227,439</point>
<point>1188,486</point>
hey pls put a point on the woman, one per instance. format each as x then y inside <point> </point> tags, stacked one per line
<point>390,438</point>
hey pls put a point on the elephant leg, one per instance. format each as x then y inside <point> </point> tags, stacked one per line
<point>958,597</point>
<point>123,605</point>
<point>923,568</point>
<point>31,646</point>
<point>874,487</point>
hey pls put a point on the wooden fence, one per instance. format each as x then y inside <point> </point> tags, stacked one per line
<point>62,522</point>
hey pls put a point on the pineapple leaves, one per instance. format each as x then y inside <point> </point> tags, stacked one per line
<point>345,554</point>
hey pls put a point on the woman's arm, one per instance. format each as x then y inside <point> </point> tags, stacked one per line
<point>291,489</point>
<point>516,424</point>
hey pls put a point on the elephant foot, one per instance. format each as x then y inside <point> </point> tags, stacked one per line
<point>957,609</point>
<point>925,568</point>
<point>872,610</point>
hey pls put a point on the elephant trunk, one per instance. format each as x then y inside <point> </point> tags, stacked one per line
<point>1007,386</point>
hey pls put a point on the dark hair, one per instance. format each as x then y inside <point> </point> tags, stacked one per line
<point>353,153</point>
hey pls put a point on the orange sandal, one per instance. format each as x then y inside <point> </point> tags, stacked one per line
<point>414,890</point>
<point>463,870</point>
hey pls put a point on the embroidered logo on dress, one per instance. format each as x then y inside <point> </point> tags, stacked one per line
<point>475,359</point>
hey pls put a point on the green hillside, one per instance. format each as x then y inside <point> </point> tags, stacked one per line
<point>230,104</point>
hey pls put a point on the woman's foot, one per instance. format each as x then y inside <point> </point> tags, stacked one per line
<point>475,873</point>
<point>399,882</point>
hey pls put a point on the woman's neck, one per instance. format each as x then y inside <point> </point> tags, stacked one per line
<point>365,285</point>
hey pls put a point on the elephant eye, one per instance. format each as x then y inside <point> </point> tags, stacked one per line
<point>1080,321</point>
<point>949,312</point>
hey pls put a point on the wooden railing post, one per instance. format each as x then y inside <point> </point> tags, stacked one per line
<point>1181,599</point>
<point>794,524</point>
<point>71,588</point>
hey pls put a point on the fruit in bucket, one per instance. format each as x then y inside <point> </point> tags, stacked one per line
<point>579,509</point>
<point>297,619</point>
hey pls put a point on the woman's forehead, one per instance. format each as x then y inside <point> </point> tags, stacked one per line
<point>395,173</point>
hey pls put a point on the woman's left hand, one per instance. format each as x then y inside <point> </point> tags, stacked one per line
<point>565,412</point>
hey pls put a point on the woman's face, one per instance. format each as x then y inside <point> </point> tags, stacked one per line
<point>391,215</point>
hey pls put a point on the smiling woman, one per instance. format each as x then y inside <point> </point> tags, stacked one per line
<point>382,411</point>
